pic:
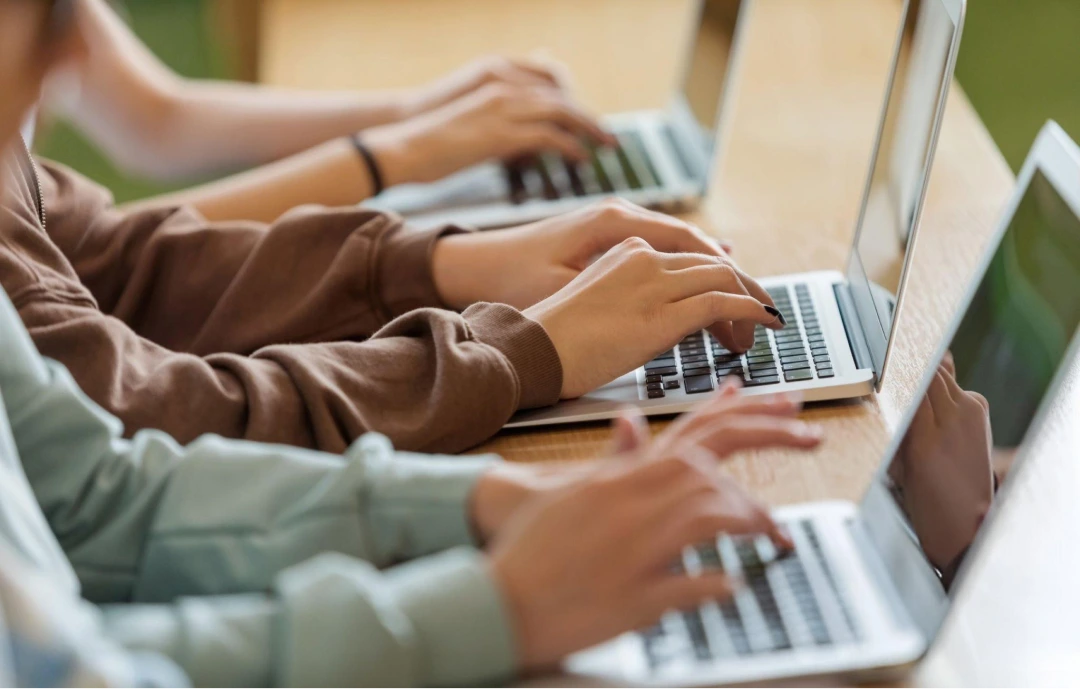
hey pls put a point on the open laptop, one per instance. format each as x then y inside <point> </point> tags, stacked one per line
<point>868,585</point>
<point>663,159</point>
<point>839,326</point>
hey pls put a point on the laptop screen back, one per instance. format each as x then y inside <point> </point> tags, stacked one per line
<point>900,167</point>
<point>698,104</point>
<point>959,446</point>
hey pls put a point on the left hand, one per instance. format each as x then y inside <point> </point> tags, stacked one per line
<point>524,265</point>
<point>535,71</point>
<point>726,424</point>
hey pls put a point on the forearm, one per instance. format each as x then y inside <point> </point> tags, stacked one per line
<point>334,621</point>
<point>154,122</point>
<point>330,174</point>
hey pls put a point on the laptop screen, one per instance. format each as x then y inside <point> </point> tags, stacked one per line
<point>958,450</point>
<point>899,168</point>
<point>707,67</point>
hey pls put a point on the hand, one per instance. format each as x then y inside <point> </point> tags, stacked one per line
<point>723,425</point>
<point>523,265</point>
<point>635,302</point>
<point>498,121</point>
<point>943,470</point>
<point>593,561</point>
<point>493,69</point>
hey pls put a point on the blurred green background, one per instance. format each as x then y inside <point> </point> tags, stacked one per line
<point>1019,64</point>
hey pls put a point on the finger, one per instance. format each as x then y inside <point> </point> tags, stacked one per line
<point>701,519</point>
<point>684,592</point>
<point>722,332</point>
<point>552,107</point>
<point>690,274</point>
<point>742,330</point>
<point>937,397</point>
<point>704,309</point>
<point>978,397</point>
<point>727,247</point>
<point>664,233</point>
<point>536,138</point>
<point>629,431</point>
<point>543,65</point>
<point>949,363</point>
<point>736,434</point>
<point>785,406</point>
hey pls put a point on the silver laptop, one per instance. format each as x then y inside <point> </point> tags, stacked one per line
<point>839,328</point>
<point>663,159</point>
<point>868,586</point>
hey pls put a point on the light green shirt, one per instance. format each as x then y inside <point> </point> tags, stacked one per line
<point>247,564</point>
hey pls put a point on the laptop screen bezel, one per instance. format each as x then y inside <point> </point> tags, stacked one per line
<point>879,344</point>
<point>684,124</point>
<point>1058,159</point>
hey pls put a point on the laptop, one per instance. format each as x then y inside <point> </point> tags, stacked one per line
<point>868,586</point>
<point>663,159</point>
<point>836,343</point>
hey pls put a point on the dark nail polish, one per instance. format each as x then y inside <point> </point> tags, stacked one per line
<point>775,313</point>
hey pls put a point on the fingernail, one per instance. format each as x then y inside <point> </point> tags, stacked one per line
<point>775,313</point>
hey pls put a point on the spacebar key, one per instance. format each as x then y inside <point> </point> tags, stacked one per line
<point>695,384</point>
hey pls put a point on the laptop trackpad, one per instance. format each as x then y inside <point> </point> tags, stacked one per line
<point>475,186</point>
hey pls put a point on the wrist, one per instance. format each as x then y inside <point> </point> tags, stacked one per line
<point>454,270</point>
<point>498,493</point>
<point>392,154</point>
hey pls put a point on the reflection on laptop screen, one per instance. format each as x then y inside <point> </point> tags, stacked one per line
<point>710,51</point>
<point>1003,357</point>
<point>896,180</point>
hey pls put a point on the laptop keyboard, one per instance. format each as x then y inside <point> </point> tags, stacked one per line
<point>796,353</point>
<point>625,167</point>
<point>790,601</point>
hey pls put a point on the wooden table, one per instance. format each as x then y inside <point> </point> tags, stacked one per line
<point>804,113</point>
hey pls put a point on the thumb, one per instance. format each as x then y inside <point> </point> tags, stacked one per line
<point>629,432</point>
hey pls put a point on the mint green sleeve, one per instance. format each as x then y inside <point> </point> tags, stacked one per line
<point>258,564</point>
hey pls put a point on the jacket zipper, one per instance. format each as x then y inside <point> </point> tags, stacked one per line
<point>37,184</point>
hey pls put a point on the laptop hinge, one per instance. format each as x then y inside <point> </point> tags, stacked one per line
<point>849,316</point>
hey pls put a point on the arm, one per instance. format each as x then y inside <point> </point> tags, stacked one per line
<point>156,123</point>
<point>149,520</point>
<point>189,285</point>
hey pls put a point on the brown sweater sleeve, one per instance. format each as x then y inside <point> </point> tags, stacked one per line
<point>315,275</point>
<point>431,379</point>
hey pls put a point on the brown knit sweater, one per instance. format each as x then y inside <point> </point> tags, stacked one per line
<point>310,331</point>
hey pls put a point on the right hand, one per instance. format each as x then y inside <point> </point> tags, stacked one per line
<point>635,302</point>
<point>497,121</point>
<point>943,470</point>
<point>584,564</point>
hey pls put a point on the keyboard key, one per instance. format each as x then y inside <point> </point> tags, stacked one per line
<point>653,378</point>
<point>796,366</point>
<point>787,347</point>
<point>516,183</point>
<point>654,386</point>
<point>671,385</point>
<point>821,359</point>
<point>819,350</point>
<point>757,382</point>
<point>653,394</point>
<point>760,359</point>
<point>825,373</point>
<point>795,376</point>
<point>766,366</point>
<point>696,370</point>
<point>697,384</point>
<point>657,364</point>
<point>576,183</point>
<point>669,371</point>
<point>694,359</point>
<point>629,172</point>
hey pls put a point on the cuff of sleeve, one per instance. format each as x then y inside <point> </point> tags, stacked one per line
<point>405,281</point>
<point>458,615</point>
<point>438,621</point>
<point>526,344</point>
<point>419,504</point>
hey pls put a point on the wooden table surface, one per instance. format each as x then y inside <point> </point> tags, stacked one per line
<point>804,111</point>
